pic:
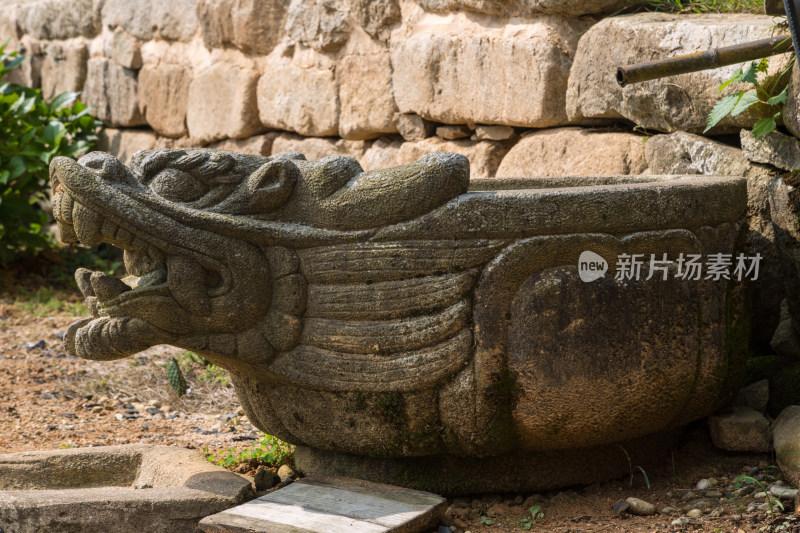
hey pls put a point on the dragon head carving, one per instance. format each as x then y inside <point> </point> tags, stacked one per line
<point>208,239</point>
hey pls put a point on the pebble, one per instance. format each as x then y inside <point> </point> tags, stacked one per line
<point>286,471</point>
<point>753,471</point>
<point>640,507</point>
<point>744,491</point>
<point>681,522</point>
<point>688,495</point>
<point>97,409</point>
<point>784,493</point>
<point>119,416</point>
<point>695,513</point>
<point>712,493</point>
<point>668,510</point>
<point>760,495</point>
<point>265,478</point>
<point>704,484</point>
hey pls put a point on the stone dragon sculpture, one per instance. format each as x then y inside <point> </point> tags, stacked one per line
<point>406,312</point>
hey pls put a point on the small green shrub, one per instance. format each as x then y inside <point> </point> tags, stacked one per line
<point>32,133</point>
<point>267,449</point>
<point>766,97</point>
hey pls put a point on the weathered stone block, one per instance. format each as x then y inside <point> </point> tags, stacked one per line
<point>164,96</point>
<point>413,127</point>
<point>522,8</point>
<point>222,103</point>
<point>125,50</point>
<point>256,145</point>
<point>253,26</point>
<point>456,71</point>
<point>367,107</point>
<point>669,104</point>
<point>146,19</point>
<point>319,24</point>
<point>575,152</point>
<point>376,16</point>
<point>58,19</point>
<point>299,94</point>
<point>774,149</point>
<point>484,157</point>
<point>315,148</point>
<point>791,111</point>
<point>112,89</point>
<point>63,68</point>
<point>122,144</point>
<point>740,429</point>
<point>114,489</point>
<point>786,340</point>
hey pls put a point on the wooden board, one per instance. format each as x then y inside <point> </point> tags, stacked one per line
<point>332,505</point>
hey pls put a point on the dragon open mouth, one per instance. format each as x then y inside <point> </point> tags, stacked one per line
<point>124,311</point>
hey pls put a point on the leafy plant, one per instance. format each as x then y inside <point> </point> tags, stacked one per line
<point>767,97</point>
<point>267,449</point>
<point>33,133</point>
<point>486,521</point>
<point>771,501</point>
<point>527,522</point>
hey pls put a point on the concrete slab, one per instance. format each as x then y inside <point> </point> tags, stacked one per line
<point>332,505</point>
<point>114,489</point>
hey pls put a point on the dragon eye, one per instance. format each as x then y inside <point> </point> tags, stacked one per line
<point>177,186</point>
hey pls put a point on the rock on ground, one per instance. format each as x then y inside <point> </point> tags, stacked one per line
<point>669,104</point>
<point>786,435</point>
<point>740,429</point>
<point>575,152</point>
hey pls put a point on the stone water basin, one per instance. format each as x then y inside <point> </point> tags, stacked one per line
<point>110,489</point>
<point>415,317</point>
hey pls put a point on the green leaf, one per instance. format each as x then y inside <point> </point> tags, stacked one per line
<point>764,126</point>
<point>54,132</point>
<point>779,98</point>
<point>14,63</point>
<point>720,110</point>
<point>750,74</point>
<point>736,77</point>
<point>62,100</point>
<point>746,100</point>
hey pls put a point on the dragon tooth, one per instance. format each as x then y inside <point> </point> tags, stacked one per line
<point>87,225</point>
<point>107,287</point>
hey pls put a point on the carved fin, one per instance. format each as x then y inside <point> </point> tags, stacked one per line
<point>386,336</point>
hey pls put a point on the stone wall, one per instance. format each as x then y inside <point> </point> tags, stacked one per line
<point>522,87</point>
<point>505,83</point>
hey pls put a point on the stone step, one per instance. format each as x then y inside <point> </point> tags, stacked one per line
<point>332,504</point>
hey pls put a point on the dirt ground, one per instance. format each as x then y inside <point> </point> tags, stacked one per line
<point>49,400</point>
